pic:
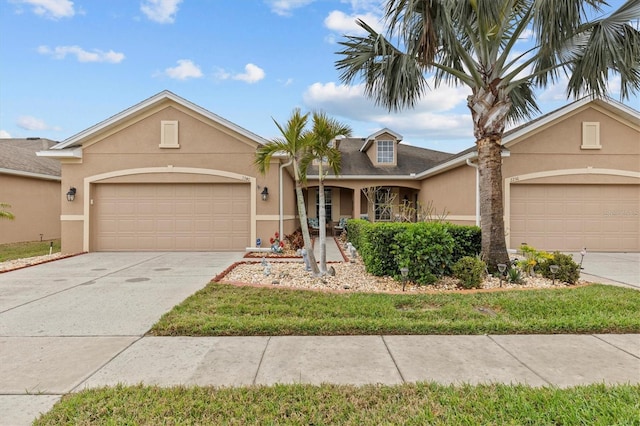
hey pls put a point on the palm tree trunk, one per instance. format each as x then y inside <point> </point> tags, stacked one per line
<point>302,211</point>
<point>323,227</point>
<point>494,248</point>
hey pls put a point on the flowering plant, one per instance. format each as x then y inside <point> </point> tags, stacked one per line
<point>276,244</point>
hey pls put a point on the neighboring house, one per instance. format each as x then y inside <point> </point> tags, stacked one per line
<point>167,174</point>
<point>31,185</point>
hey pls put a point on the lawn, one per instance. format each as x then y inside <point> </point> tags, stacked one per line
<point>226,310</point>
<point>408,404</point>
<point>14,251</point>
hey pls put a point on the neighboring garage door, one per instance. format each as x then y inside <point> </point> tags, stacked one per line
<point>170,217</point>
<point>570,217</point>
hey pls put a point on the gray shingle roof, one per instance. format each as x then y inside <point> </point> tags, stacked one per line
<point>411,159</point>
<point>20,155</point>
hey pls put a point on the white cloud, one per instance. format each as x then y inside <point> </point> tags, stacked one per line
<point>29,122</point>
<point>285,7</point>
<point>52,9</point>
<point>4,134</point>
<point>161,11</point>
<point>252,74</point>
<point>342,23</point>
<point>184,70</point>
<point>96,55</point>
<point>439,115</point>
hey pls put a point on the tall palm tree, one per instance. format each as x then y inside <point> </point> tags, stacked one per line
<point>473,43</point>
<point>294,143</point>
<point>324,132</point>
<point>4,214</point>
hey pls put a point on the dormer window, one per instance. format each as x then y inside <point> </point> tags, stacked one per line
<point>385,152</point>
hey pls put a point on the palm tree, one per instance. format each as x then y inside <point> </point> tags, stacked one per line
<point>324,132</point>
<point>473,43</point>
<point>4,214</point>
<point>294,143</point>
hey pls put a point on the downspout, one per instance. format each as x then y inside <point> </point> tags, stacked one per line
<point>281,198</point>
<point>475,166</point>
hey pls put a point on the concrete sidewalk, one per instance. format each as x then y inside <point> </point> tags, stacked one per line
<point>37,371</point>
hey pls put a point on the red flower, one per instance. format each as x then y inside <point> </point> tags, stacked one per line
<point>271,240</point>
<point>277,235</point>
<point>281,243</point>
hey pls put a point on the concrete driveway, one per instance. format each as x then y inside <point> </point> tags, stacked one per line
<point>79,322</point>
<point>610,268</point>
<point>62,321</point>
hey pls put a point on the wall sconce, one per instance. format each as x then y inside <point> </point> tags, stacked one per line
<point>71,195</point>
<point>265,193</point>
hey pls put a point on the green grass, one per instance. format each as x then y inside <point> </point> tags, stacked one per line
<point>30,249</point>
<point>225,310</point>
<point>409,404</point>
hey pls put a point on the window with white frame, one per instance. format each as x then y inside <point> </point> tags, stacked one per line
<point>327,204</point>
<point>383,206</point>
<point>385,151</point>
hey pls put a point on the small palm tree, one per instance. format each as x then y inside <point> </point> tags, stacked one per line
<point>4,214</point>
<point>473,43</point>
<point>294,143</point>
<point>323,133</point>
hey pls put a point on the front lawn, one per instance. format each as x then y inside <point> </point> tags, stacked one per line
<point>226,310</point>
<point>409,404</point>
<point>15,251</point>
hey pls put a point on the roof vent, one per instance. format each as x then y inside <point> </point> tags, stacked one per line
<point>33,139</point>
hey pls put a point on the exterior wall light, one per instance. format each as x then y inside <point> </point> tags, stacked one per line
<point>71,195</point>
<point>265,193</point>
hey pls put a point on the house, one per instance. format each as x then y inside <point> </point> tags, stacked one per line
<point>31,186</point>
<point>167,174</point>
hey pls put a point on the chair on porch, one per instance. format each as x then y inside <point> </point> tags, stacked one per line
<point>314,225</point>
<point>342,223</point>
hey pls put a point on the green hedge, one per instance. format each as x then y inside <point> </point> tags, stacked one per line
<point>428,249</point>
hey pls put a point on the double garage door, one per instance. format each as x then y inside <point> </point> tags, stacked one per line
<point>571,217</point>
<point>170,217</point>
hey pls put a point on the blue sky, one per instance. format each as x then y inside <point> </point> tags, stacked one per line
<point>67,65</point>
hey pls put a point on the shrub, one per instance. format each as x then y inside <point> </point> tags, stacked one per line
<point>295,240</point>
<point>532,258</point>
<point>467,240</point>
<point>514,275</point>
<point>426,249</point>
<point>569,271</point>
<point>355,231</point>
<point>377,251</point>
<point>470,271</point>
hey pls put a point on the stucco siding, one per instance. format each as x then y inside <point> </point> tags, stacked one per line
<point>35,203</point>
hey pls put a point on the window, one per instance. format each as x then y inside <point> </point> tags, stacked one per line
<point>385,151</point>
<point>327,204</point>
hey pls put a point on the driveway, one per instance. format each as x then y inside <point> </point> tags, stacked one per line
<point>611,268</point>
<point>62,321</point>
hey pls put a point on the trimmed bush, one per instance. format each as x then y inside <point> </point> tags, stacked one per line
<point>470,271</point>
<point>356,230</point>
<point>568,272</point>
<point>426,249</point>
<point>468,240</point>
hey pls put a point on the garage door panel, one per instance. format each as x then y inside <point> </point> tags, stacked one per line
<point>169,217</point>
<point>570,217</point>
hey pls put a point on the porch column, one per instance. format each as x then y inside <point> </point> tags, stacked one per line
<point>357,193</point>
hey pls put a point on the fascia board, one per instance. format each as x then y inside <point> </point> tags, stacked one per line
<point>30,174</point>
<point>364,177</point>
<point>164,95</point>
<point>65,153</point>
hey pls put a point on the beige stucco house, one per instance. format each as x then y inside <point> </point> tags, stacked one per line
<point>31,185</point>
<point>167,174</point>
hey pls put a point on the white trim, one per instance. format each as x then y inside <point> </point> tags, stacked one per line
<point>71,217</point>
<point>148,103</point>
<point>367,177</point>
<point>30,174</point>
<point>75,152</point>
<point>169,169</point>
<point>369,139</point>
<point>468,217</point>
<point>550,173</point>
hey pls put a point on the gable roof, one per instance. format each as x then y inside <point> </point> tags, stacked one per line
<point>18,157</point>
<point>372,137</point>
<point>356,164</point>
<point>516,134</point>
<point>68,147</point>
